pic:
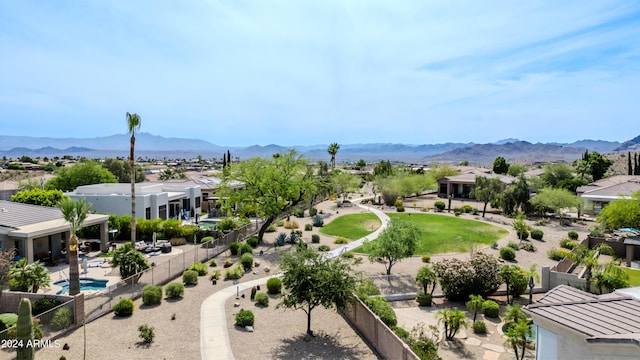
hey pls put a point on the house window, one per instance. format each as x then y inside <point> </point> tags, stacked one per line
<point>147,213</point>
<point>198,201</point>
<point>162,211</point>
<point>186,204</point>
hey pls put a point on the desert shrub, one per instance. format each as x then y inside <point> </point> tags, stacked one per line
<point>400,208</point>
<point>146,333</point>
<point>424,299</point>
<point>247,261</point>
<point>213,262</point>
<point>479,327</point>
<point>318,221</point>
<point>507,253</point>
<point>606,251</point>
<point>403,334</point>
<point>315,239</point>
<point>568,244</point>
<point>324,248</point>
<point>596,231</point>
<point>313,211</point>
<point>227,263</point>
<point>174,290</point>
<point>398,202</point>
<point>245,249</point>
<point>293,238</point>
<point>43,305</point>
<point>537,234</point>
<point>340,240</point>
<point>347,255</point>
<point>274,286</point>
<point>523,235</point>
<point>439,205</point>
<point>151,295</point>
<point>291,224</point>
<point>426,258</point>
<point>572,235</point>
<point>527,246</point>
<point>494,245</point>
<point>514,245</point>
<point>558,254</point>
<point>190,277</point>
<point>301,245</point>
<point>178,241</point>
<point>280,223</point>
<point>366,288</point>
<point>461,278</point>
<point>234,247</point>
<point>299,213</point>
<point>226,224</point>
<point>123,308</point>
<point>200,268</point>
<point>308,227</point>
<point>380,307</point>
<point>244,318</point>
<point>61,318</point>
<point>457,212</point>
<point>271,228</point>
<point>234,273</point>
<point>467,209</point>
<point>261,299</point>
<point>490,309</point>
<point>215,275</point>
<point>253,241</point>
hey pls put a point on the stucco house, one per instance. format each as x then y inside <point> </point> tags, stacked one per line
<point>40,232</point>
<point>573,324</point>
<point>599,193</point>
<point>153,200</point>
<point>462,185</point>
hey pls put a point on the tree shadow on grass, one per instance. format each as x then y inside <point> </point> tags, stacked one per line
<point>321,346</point>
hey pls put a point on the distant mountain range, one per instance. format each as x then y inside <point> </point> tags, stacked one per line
<point>158,147</point>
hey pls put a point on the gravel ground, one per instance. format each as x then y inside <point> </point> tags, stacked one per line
<point>278,333</point>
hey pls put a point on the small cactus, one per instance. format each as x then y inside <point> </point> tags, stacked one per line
<point>24,330</point>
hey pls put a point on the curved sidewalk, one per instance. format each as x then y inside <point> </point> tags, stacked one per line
<point>214,336</point>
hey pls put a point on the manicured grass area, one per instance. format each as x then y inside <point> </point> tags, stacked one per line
<point>634,276</point>
<point>352,226</point>
<point>446,234</point>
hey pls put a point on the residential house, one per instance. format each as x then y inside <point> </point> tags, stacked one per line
<point>40,232</point>
<point>462,185</point>
<point>598,194</point>
<point>573,324</point>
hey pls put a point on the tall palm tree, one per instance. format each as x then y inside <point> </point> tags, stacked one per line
<point>333,150</point>
<point>588,258</point>
<point>74,212</point>
<point>134,122</point>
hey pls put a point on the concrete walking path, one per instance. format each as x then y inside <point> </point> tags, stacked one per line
<point>214,336</point>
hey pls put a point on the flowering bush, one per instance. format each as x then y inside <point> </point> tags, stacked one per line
<point>459,278</point>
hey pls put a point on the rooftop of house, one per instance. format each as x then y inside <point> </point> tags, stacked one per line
<point>608,317</point>
<point>470,178</point>
<point>15,215</point>
<point>612,183</point>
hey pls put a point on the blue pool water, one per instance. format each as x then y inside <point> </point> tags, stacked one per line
<point>85,284</point>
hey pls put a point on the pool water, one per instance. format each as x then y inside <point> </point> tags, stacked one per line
<point>85,284</point>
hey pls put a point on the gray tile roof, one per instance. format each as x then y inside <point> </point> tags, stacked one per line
<point>612,316</point>
<point>15,215</point>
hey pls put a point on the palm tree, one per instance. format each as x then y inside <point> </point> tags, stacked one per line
<point>333,150</point>
<point>610,277</point>
<point>74,212</point>
<point>517,336</point>
<point>427,277</point>
<point>28,277</point>
<point>475,304</point>
<point>134,122</point>
<point>453,320</point>
<point>583,256</point>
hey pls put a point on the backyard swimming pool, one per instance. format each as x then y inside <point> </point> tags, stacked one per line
<point>85,284</point>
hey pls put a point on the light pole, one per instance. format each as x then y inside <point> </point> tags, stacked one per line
<point>531,284</point>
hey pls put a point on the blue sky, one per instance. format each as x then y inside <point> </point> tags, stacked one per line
<point>300,72</point>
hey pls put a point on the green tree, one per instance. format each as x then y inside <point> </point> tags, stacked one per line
<point>345,183</point>
<point>75,213</point>
<point>453,320</point>
<point>383,168</point>
<point>554,173</point>
<point>516,170</point>
<point>129,260</point>
<point>85,172</point>
<point>333,150</point>
<point>361,164</point>
<point>30,184</point>
<point>500,165</point>
<point>555,200</point>
<point>517,336</point>
<point>49,198</point>
<point>610,277</point>
<point>121,170</point>
<point>583,256</point>
<point>272,186</point>
<point>133,124</point>
<point>475,304</point>
<point>487,190</point>
<point>28,277</point>
<point>310,281</point>
<point>427,277</point>
<point>398,241</point>
<point>599,165</point>
<point>621,213</point>
<point>515,197</point>
<point>583,169</point>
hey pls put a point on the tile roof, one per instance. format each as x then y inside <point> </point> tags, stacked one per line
<point>610,317</point>
<point>15,215</point>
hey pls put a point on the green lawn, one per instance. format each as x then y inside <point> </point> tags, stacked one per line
<point>353,226</point>
<point>446,234</point>
<point>634,276</point>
